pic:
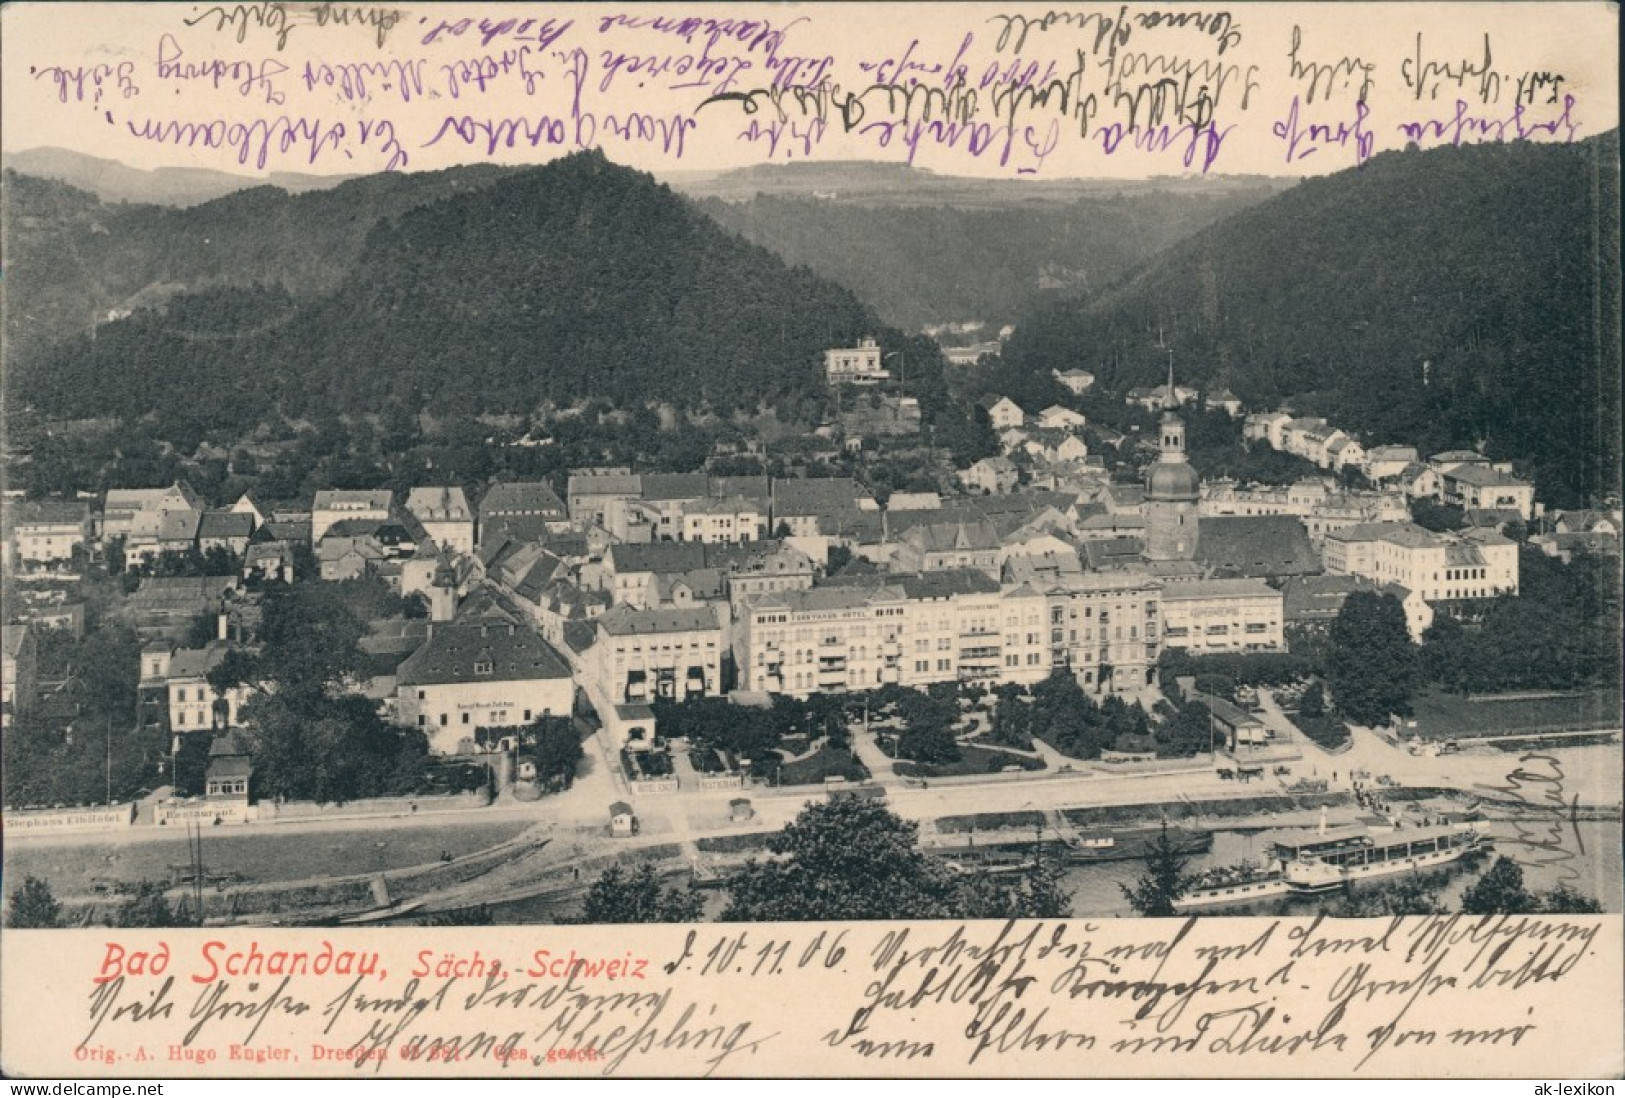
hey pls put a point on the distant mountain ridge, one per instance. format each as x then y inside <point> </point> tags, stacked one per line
<point>112,181</point>
<point>973,258</point>
<point>576,279</point>
<point>1455,297</point>
<point>73,260</point>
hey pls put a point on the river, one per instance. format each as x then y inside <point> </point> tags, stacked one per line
<point>1596,872</point>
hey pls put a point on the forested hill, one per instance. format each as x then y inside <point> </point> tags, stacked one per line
<point>1450,298</point>
<point>579,278</point>
<point>923,264</point>
<point>73,259</point>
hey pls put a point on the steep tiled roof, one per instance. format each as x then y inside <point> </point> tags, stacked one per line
<point>1103,553</point>
<point>946,537</point>
<point>1485,476</point>
<point>439,504</point>
<point>1265,545</point>
<point>604,484</point>
<point>754,488</point>
<point>814,495</point>
<point>464,653</point>
<point>225,524</point>
<point>658,556</point>
<point>946,584</point>
<point>1319,598</point>
<point>626,621</point>
<point>1216,589</point>
<point>372,499</point>
<point>179,526</point>
<point>49,512</point>
<point>521,498</point>
<point>194,663</point>
<point>687,556</point>
<point>672,486</point>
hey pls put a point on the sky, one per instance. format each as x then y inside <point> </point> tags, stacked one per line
<point>964,89</point>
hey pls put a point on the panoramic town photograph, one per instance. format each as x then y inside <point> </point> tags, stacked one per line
<point>843,540</point>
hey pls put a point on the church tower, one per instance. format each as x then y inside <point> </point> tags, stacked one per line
<point>1172,489</point>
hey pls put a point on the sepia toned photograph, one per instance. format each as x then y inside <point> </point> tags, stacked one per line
<point>1134,472</point>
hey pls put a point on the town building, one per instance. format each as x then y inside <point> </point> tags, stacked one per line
<point>151,521</point>
<point>1440,567</point>
<point>1477,485</point>
<point>193,703</point>
<point>1224,400</point>
<point>230,770</point>
<point>336,505</point>
<point>445,515</point>
<point>1257,547</point>
<point>1057,418</point>
<point>592,496</point>
<point>269,561</point>
<point>480,675</point>
<point>664,498</point>
<point>1161,396</point>
<point>1223,615</point>
<point>165,606</point>
<point>811,506</point>
<point>726,521</point>
<point>860,365</point>
<point>48,532</point>
<point>19,667</point>
<point>1005,413</point>
<point>227,530</point>
<point>914,501</point>
<point>1105,627</point>
<point>520,511</point>
<point>992,475</point>
<point>134,514</point>
<point>1266,427</point>
<point>641,656</point>
<point>1418,481</point>
<point>971,354</point>
<point>1172,491</point>
<point>1077,382</point>
<point>915,630</point>
<point>944,546</point>
<point>1387,462</point>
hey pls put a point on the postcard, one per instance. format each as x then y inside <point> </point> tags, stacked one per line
<point>811,540</point>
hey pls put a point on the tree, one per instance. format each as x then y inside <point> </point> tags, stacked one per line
<point>1313,702</point>
<point>236,668</point>
<point>851,858</point>
<point>621,897</point>
<point>191,763</point>
<point>33,906</point>
<point>556,747</point>
<point>148,908</point>
<point>1499,892</point>
<point>1371,664</point>
<point>1564,900</point>
<point>1158,892</point>
<point>929,744</point>
<point>311,637</point>
<point>1438,517</point>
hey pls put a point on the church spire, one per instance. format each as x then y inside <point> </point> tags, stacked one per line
<point>1170,403</point>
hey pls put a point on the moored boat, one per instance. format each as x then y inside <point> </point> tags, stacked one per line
<point>1309,862</point>
<point>1131,843</point>
<point>1237,884</point>
<point>1320,862</point>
